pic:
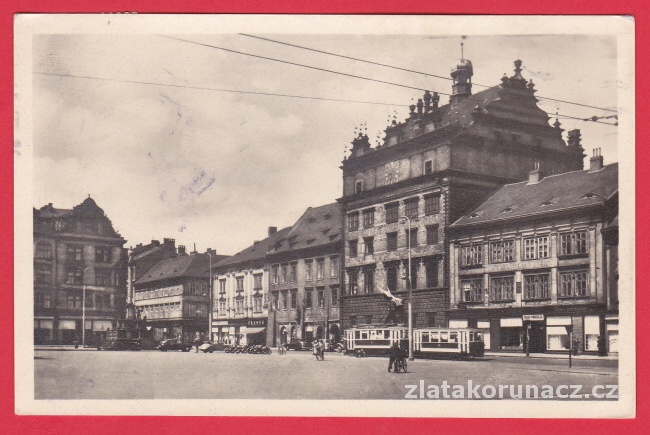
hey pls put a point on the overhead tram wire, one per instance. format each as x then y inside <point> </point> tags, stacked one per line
<point>299,64</point>
<point>201,88</point>
<point>317,68</point>
<point>409,70</point>
<point>233,91</point>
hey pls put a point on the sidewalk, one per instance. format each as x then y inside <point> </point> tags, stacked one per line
<point>554,356</point>
<point>65,347</point>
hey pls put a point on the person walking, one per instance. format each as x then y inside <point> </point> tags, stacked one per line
<point>394,353</point>
<point>315,351</point>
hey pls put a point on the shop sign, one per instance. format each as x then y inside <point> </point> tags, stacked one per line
<point>256,322</point>
<point>532,317</point>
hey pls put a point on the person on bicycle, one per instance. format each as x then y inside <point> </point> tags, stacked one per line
<point>394,354</point>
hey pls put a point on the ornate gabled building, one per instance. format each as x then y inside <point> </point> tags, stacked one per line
<point>536,263</point>
<point>78,258</point>
<point>431,169</point>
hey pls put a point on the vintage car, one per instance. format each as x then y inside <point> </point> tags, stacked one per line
<point>124,344</point>
<point>299,345</point>
<point>207,347</point>
<point>174,344</point>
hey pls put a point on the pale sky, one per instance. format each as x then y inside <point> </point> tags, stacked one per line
<point>217,168</point>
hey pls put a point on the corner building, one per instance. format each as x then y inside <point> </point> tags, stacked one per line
<point>432,168</point>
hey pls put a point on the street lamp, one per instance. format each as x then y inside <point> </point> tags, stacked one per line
<point>83,310</point>
<point>410,289</point>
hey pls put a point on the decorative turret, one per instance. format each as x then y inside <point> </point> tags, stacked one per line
<point>360,144</point>
<point>462,73</point>
<point>517,80</point>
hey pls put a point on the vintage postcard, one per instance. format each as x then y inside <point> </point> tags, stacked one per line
<point>325,215</point>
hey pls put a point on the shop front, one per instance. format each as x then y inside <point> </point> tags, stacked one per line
<point>256,331</point>
<point>552,329</point>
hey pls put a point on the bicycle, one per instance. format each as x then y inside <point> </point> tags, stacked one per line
<point>400,365</point>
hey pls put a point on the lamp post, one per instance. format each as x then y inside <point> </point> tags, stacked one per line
<point>83,310</point>
<point>210,307</point>
<point>410,289</point>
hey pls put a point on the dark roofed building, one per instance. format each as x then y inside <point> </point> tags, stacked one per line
<point>78,258</point>
<point>173,296</point>
<point>305,278</point>
<point>532,265</point>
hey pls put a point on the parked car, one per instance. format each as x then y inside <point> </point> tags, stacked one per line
<point>174,344</point>
<point>124,344</point>
<point>207,347</point>
<point>299,345</point>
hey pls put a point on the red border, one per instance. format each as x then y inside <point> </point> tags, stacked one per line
<point>100,425</point>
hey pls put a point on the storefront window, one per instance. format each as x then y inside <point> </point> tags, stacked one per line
<point>512,337</point>
<point>557,336</point>
<point>592,332</point>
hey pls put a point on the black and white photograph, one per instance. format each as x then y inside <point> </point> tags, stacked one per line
<point>324,215</point>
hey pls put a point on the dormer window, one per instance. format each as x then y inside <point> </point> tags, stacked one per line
<point>588,195</point>
<point>428,167</point>
<point>358,187</point>
<point>547,203</point>
<point>475,214</point>
<point>507,210</point>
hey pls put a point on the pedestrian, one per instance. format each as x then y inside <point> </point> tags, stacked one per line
<point>321,348</point>
<point>316,351</point>
<point>394,353</point>
<point>197,343</point>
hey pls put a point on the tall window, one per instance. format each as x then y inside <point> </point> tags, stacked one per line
<point>353,221</point>
<point>368,281</point>
<point>411,207</point>
<point>501,288</point>
<point>391,241</point>
<point>536,247</point>
<point>335,296</point>
<point>309,274</point>
<point>283,300</point>
<point>274,274</point>
<point>294,272</point>
<point>294,299</point>
<point>392,213</point>
<point>353,282</point>
<point>431,268</point>
<point>369,245</point>
<point>415,267</point>
<point>102,277</point>
<point>502,251</point>
<point>391,278</point>
<point>257,305</point>
<point>428,167</point>
<point>274,300</point>
<point>334,267</point>
<point>321,298</point>
<point>574,243</point>
<point>308,298</point>
<point>102,254</point>
<point>471,255</point>
<point>573,284</point>
<point>413,236</point>
<point>240,284</point>
<point>44,250</point>
<point>239,306</point>
<point>432,234</point>
<point>222,308</point>
<point>75,253</point>
<point>43,274</point>
<point>354,245</point>
<point>320,268</point>
<point>75,276</point>
<point>222,286</point>
<point>358,187</point>
<point>285,272</point>
<point>368,217</point>
<point>257,282</point>
<point>536,286</point>
<point>431,204</point>
<point>472,289</point>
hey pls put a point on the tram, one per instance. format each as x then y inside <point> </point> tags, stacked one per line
<point>430,342</point>
<point>374,339</point>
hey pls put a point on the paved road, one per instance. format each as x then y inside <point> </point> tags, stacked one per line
<point>179,375</point>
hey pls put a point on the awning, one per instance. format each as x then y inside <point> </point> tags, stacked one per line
<point>556,330</point>
<point>250,330</point>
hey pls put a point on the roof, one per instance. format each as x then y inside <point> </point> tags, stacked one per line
<point>254,252</point>
<point>47,211</point>
<point>193,265</point>
<point>318,226</point>
<point>551,194</point>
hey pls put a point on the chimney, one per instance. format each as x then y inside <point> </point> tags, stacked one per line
<point>211,251</point>
<point>596,161</point>
<point>169,242</point>
<point>181,249</point>
<point>535,176</point>
<point>273,230</point>
<point>155,243</point>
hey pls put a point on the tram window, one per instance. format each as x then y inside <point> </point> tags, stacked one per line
<point>471,336</point>
<point>386,334</point>
<point>357,334</point>
<point>434,337</point>
<point>364,335</point>
<point>453,337</point>
<point>425,337</point>
<point>444,337</point>
<point>479,337</point>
